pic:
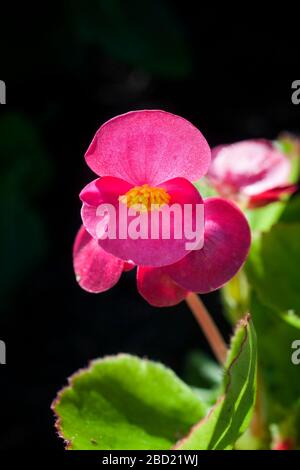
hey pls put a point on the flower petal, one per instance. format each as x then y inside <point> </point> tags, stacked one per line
<point>226,245</point>
<point>149,147</point>
<point>128,266</point>
<point>158,289</point>
<point>165,246</point>
<point>96,271</point>
<point>105,189</point>
<point>100,191</point>
<point>248,167</point>
<point>271,195</point>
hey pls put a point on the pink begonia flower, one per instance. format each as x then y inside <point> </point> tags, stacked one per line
<point>155,153</point>
<point>252,172</point>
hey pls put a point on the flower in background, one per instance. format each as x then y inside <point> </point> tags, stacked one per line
<point>284,444</point>
<point>253,172</point>
<point>154,155</point>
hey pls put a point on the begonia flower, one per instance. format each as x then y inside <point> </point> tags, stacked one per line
<point>147,157</point>
<point>252,172</point>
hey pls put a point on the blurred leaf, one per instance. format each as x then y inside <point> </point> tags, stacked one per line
<point>204,375</point>
<point>291,426</point>
<point>273,267</point>
<point>248,441</point>
<point>207,396</point>
<point>230,416</point>
<point>205,188</point>
<point>123,402</point>
<point>235,296</point>
<point>291,211</point>
<point>290,145</point>
<point>261,219</point>
<point>275,335</point>
<point>201,371</point>
<point>144,34</point>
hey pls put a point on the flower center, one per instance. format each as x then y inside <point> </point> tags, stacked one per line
<point>142,198</point>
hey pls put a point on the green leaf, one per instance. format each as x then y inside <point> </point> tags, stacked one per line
<point>235,297</point>
<point>230,416</point>
<point>261,219</point>
<point>201,371</point>
<point>208,396</point>
<point>273,267</point>
<point>290,145</point>
<point>123,402</point>
<point>204,375</point>
<point>291,212</point>
<point>275,335</point>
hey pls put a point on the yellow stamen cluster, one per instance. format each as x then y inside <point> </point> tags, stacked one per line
<point>142,198</point>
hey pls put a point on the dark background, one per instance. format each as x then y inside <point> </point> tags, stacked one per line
<point>68,67</point>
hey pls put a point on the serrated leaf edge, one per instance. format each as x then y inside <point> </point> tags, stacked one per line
<point>243,323</point>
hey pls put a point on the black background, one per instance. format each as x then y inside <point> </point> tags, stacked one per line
<point>68,67</point>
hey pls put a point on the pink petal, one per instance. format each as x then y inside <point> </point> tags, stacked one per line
<point>100,191</point>
<point>96,271</point>
<point>105,189</point>
<point>158,288</point>
<point>248,167</point>
<point>272,195</point>
<point>181,191</point>
<point>226,245</point>
<point>149,147</point>
<point>150,251</point>
<point>128,266</point>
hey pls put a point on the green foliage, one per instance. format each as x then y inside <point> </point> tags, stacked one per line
<point>124,402</point>
<point>235,297</point>
<point>229,418</point>
<point>275,334</point>
<point>273,267</point>
<point>201,371</point>
<point>204,375</point>
<point>262,219</point>
<point>291,211</point>
<point>290,145</point>
<point>205,188</point>
<point>273,279</point>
